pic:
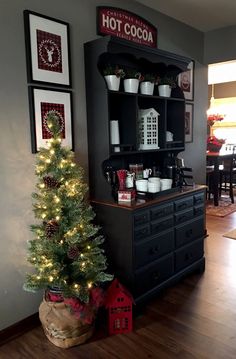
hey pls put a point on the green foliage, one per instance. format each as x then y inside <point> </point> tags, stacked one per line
<point>148,77</point>
<point>131,73</point>
<point>66,250</point>
<point>113,70</point>
<point>167,81</point>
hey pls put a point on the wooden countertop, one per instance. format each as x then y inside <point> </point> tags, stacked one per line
<point>142,203</point>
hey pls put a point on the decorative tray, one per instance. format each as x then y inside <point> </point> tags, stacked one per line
<point>149,195</point>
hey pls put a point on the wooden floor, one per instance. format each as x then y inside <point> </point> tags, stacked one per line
<point>194,319</point>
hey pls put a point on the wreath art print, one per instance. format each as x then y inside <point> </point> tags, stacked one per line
<point>42,102</point>
<point>47,49</point>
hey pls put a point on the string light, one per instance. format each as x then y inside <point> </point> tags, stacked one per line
<point>90,285</point>
<point>50,278</point>
<point>57,199</point>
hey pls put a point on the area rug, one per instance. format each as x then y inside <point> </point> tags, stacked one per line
<point>224,208</point>
<point>230,234</point>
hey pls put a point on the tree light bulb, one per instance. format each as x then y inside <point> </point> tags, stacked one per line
<point>38,277</point>
<point>44,215</point>
<point>89,247</point>
<point>90,285</point>
<point>42,185</point>
<point>57,218</point>
<point>76,286</point>
<point>52,152</point>
<point>50,278</point>
<point>48,160</point>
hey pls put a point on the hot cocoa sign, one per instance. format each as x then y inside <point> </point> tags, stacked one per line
<point>125,25</point>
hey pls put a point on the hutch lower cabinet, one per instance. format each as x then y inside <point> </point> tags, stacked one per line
<point>152,245</point>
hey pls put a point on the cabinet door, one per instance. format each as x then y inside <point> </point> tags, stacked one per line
<point>160,211</point>
<point>188,232</point>
<point>154,274</point>
<point>188,254</point>
<point>154,248</point>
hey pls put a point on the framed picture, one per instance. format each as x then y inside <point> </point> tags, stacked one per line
<point>188,122</point>
<point>186,82</point>
<point>42,101</point>
<point>47,49</point>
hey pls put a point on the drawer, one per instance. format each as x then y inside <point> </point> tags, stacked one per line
<point>199,210</point>
<point>183,216</point>
<point>161,211</point>
<point>199,198</point>
<point>188,254</point>
<point>148,251</point>
<point>184,203</point>
<point>162,225</point>
<point>154,274</point>
<point>188,232</point>
<point>141,217</point>
<point>142,232</point>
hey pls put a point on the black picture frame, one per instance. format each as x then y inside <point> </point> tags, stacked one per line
<point>41,101</point>
<point>186,82</point>
<point>189,107</point>
<point>47,43</point>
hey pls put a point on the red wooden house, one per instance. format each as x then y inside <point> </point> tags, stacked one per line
<point>119,304</point>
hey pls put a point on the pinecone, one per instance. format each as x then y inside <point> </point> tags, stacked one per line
<point>50,182</point>
<point>51,228</point>
<point>73,252</point>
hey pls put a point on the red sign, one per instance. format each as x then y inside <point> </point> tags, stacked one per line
<point>125,25</point>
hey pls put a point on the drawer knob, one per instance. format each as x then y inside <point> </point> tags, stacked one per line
<point>156,275</point>
<point>189,233</point>
<point>153,250</point>
<point>188,256</point>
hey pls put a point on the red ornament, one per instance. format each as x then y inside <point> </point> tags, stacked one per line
<point>119,303</point>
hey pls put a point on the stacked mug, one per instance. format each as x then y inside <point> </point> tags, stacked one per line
<point>154,184</point>
<point>166,183</point>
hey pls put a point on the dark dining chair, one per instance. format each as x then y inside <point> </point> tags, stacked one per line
<point>227,178</point>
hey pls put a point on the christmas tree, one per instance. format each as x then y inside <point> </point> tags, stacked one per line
<point>66,251</point>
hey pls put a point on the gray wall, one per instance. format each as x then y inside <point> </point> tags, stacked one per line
<point>220,45</point>
<point>17,177</point>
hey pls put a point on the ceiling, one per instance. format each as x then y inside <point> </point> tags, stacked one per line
<point>203,15</point>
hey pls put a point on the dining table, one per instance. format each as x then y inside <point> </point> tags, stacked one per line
<point>215,159</point>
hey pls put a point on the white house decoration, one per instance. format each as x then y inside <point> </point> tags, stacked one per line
<point>148,129</point>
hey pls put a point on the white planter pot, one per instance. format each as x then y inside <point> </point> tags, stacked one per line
<point>113,82</point>
<point>131,85</point>
<point>164,90</point>
<point>147,88</point>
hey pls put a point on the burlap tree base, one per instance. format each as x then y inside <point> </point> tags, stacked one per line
<point>61,327</point>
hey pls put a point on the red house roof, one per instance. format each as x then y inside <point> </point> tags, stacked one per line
<point>116,289</point>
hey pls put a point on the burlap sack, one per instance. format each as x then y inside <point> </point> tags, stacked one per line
<point>61,327</point>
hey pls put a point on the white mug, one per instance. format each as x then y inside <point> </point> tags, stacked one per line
<point>141,185</point>
<point>153,187</point>
<point>154,180</point>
